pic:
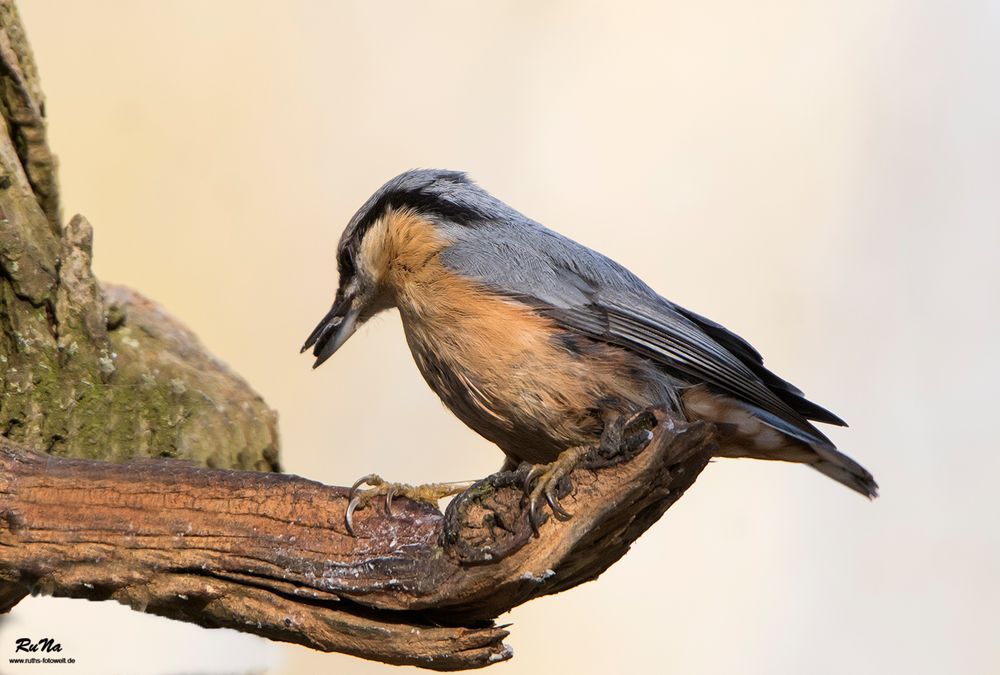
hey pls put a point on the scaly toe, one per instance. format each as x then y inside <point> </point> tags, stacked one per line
<point>372,479</point>
<point>429,494</point>
<point>536,472</point>
<point>543,483</point>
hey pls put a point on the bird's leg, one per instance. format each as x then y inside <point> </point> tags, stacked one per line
<point>430,493</point>
<point>547,482</point>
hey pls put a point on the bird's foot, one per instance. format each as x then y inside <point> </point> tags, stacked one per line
<point>379,488</point>
<point>547,483</point>
<point>626,435</point>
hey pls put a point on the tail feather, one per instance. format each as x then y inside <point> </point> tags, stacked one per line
<point>841,468</point>
<point>747,431</point>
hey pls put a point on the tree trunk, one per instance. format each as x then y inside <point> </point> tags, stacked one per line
<point>88,370</point>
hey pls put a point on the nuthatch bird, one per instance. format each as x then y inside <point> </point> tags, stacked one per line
<point>537,342</point>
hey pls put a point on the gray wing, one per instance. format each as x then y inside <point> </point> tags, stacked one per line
<point>586,291</point>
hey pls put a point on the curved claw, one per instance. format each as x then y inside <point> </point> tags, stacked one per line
<point>370,479</point>
<point>557,508</point>
<point>542,484</point>
<point>390,493</point>
<point>429,494</point>
<point>533,516</point>
<point>354,498</point>
<point>533,474</point>
<point>349,514</point>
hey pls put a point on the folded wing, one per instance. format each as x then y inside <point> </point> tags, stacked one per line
<point>587,292</point>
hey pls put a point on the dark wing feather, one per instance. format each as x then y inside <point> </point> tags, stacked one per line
<point>585,291</point>
<point>743,350</point>
<point>662,335</point>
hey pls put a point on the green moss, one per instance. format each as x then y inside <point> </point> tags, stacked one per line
<point>150,404</point>
<point>67,385</point>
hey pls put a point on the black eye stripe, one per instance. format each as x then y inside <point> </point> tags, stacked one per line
<point>432,204</point>
<point>423,202</point>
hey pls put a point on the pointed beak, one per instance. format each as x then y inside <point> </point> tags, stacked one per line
<point>333,331</point>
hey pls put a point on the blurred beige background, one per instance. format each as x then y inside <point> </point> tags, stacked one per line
<point>820,177</point>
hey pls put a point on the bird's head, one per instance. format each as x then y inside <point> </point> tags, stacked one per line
<point>392,225</point>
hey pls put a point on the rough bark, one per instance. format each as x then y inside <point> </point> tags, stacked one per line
<point>269,554</point>
<point>88,370</point>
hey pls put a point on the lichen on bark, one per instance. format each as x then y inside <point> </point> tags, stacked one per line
<point>88,370</point>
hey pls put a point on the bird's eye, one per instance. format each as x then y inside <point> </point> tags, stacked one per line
<point>345,265</point>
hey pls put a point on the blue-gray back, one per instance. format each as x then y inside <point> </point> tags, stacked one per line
<point>586,291</point>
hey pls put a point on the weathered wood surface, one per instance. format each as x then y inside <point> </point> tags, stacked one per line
<point>269,554</point>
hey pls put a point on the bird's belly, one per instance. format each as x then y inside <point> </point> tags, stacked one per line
<point>522,413</point>
<point>517,384</point>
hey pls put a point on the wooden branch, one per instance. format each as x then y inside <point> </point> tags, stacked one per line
<point>269,554</point>
<point>92,371</point>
